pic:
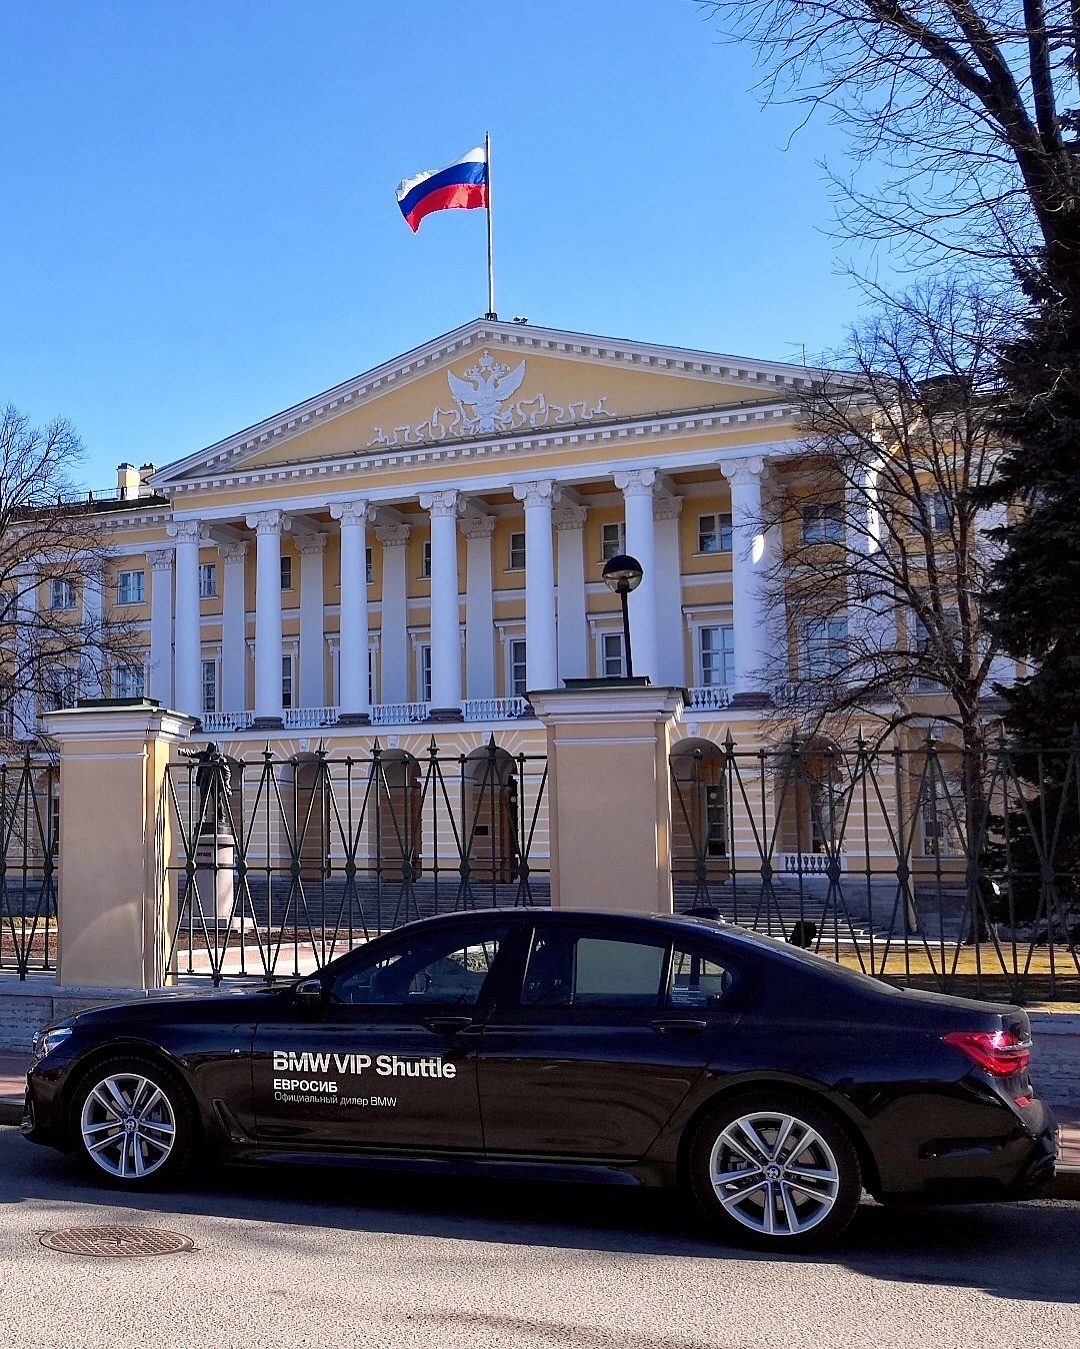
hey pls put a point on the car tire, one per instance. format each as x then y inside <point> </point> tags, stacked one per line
<point>775,1171</point>
<point>133,1123</point>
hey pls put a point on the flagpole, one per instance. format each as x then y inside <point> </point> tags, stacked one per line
<point>491,314</point>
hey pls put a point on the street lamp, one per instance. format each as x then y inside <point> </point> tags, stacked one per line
<point>623,574</point>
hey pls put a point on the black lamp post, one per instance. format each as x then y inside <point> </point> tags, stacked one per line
<point>623,574</point>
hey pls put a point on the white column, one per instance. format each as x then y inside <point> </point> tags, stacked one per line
<point>188,639</point>
<point>311,548</point>
<point>234,651</point>
<point>479,607</point>
<point>444,507</point>
<point>573,639</point>
<point>671,652</point>
<point>160,685</point>
<point>353,619</point>
<point>92,677</point>
<point>637,489</point>
<point>748,562</point>
<point>395,614</point>
<point>541,650</point>
<point>24,710</point>
<point>268,526</point>
<point>1003,668</point>
<point>870,617</point>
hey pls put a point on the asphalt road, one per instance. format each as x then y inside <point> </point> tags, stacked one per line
<point>319,1258</point>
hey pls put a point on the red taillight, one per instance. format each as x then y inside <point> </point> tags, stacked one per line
<point>998,1051</point>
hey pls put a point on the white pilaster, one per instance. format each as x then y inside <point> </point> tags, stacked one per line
<point>312,548</point>
<point>188,641</point>
<point>541,652</point>
<point>444,508</point>
<point>479,607</point>
<point>395,613</point>
<point>268,648</point>
<point>671,660</point>
<point>91,681</point>
<point>748,563</point>
<point>353,622</point>
<point>637,489</point>
<point>871,622</point>
<point>234,651</point>
<point>160,684</point>
<point>569,521</point>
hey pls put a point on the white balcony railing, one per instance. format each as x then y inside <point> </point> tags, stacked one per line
<point>494,709</point>
<point>309,718</point>
<point>709,697</point>
<point>807,863</point>
<point>216,722</point>
<point>398,714</point>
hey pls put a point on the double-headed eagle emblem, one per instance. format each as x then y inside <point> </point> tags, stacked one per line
<point>481,394</point>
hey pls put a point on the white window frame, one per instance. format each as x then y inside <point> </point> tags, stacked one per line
<point>288,679</point>
<point>425,564</point>
<point>609,667</point>
<point>725,651</point>
<point>717,527</point>
<point>286,568</point>
<point>612,545</point>
<point>515,551</point>
<point>822,522</point>
<point>515,662</point>
<point>131,586</point>
<point>129,681</point>
<point>824,646</point>
<point>208,580</point>
<point>62,593</point>
<point>423,672</point>
<point>61,687</point>
<point>209,682</point>
<point>369,566</point>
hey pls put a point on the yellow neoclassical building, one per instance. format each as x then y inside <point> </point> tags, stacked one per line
<point>425,543</point>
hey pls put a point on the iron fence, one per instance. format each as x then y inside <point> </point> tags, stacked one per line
<point>930,865</point>
<point>29,836</point>
<point>281,864</point>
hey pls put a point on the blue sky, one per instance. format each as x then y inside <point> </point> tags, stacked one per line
<point>199,225</point>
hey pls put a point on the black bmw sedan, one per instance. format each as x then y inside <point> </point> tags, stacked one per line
<point>772,1084</point>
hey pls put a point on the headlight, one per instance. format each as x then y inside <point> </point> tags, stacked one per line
<point>45,1041</point>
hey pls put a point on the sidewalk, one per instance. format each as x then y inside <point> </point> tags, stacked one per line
<point>13,1072</point>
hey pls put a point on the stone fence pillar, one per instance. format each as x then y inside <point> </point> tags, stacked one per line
<point>609,793</point>
<point>114,908</point>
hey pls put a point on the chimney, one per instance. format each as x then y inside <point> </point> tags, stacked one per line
<point>146,471</point>
<point>127,481</point>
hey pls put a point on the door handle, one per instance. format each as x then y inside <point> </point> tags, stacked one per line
<point>447,1025</point>
<point>679,1026</point>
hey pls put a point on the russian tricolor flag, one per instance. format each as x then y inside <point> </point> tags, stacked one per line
<point>463,184</point>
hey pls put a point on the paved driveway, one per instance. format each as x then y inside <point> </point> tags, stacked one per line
<point>319,1258</point>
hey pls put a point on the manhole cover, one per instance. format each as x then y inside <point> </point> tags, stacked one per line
<point>116,1241</point>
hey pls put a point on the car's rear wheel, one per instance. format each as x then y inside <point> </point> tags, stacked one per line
<point>132,1122</point>
<point>775,1171</point>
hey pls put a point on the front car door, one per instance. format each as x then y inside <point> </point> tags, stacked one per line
<point>610,1029</point>
<point>389,1062</point>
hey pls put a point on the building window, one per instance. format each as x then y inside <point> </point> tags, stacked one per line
<point>371,676</point>
<point>612,540</point>
<point>130,587</point>
<point>717,655</point>
<point>425,560</point>
<point>825,647</point>
<point>930,658</point>
<point>129,681</point>
<point>7,708</point>
<point>286,572</point>
<point>612,655</point>
<point>517,551</point>
<point>517,679</point>
<point>286,681</point>
<point>61,593</point>
<point>714,533</point>
<point>424,674</point>
<point>61,688</point>
<point>207,580</point>
<point>823,522</point>
<point>941,512</point>
<point>209,686</point>
<point>369,567</point>
<point>9,606</point>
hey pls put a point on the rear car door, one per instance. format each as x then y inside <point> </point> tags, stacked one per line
<point>607,1034</point>
<point>390,1061</point>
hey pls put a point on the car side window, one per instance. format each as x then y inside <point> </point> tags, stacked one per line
<point>697,981</point>
<point>568,969</point>
<point>440,969</point>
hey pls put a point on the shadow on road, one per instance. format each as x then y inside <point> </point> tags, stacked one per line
<point>1021,1251</point>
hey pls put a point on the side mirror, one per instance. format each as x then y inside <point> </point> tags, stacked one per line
<point>309,995</point>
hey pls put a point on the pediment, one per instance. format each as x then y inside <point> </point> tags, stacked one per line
<point>490,380</point>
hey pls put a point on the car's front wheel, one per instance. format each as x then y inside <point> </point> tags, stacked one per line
<point>775,1171</point>
<point>132,1122</point>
